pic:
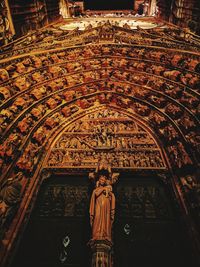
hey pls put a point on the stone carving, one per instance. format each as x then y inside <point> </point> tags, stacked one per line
<point>4,75</point>
<point>179,156</point>
<point>187,123</point>
<point>102,209</point>
<point>174,111</point>
<point>4,94</point>
<point>191,189</point>
<point>158,120</point>
<point>102,212</point>
<point>170,133</point>
<point>10,194</point>
<point>120,140</point>
<point>6,27</point>
<point>29,158</point>
<point>8,148</point>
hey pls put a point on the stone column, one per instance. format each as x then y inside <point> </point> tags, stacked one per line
<point>101,253</point>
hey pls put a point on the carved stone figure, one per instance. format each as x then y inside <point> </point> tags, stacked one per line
<point>10,193</point>
<point>21,84</point>
<point>4,93</point>
<point>102,209</point>
<point>4,75</point>
<point>192,190</point>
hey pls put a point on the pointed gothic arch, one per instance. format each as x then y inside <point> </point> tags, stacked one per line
<point>108,66</point>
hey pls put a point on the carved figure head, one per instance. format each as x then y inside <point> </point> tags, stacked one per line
<point>102,180</point>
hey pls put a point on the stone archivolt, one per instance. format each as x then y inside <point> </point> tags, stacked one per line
<point>50,91</point>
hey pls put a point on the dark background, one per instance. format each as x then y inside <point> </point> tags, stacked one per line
<point>157,234</point>
<point>109,4</point>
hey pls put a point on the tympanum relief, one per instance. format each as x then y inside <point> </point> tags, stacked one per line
<point>106,134</point>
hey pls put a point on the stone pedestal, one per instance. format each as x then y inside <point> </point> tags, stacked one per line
<point>101,253</point>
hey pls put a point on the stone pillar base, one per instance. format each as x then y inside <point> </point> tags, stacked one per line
<point>101,253</point>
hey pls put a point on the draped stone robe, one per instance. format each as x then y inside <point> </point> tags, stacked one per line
<point>102,209</point>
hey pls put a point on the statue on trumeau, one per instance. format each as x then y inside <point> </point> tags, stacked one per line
<point>102,204</point>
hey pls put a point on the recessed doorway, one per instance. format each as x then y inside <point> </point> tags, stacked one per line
<point>148,230</point>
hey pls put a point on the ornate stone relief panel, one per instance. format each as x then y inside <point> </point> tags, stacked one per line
<point>106,134</point>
